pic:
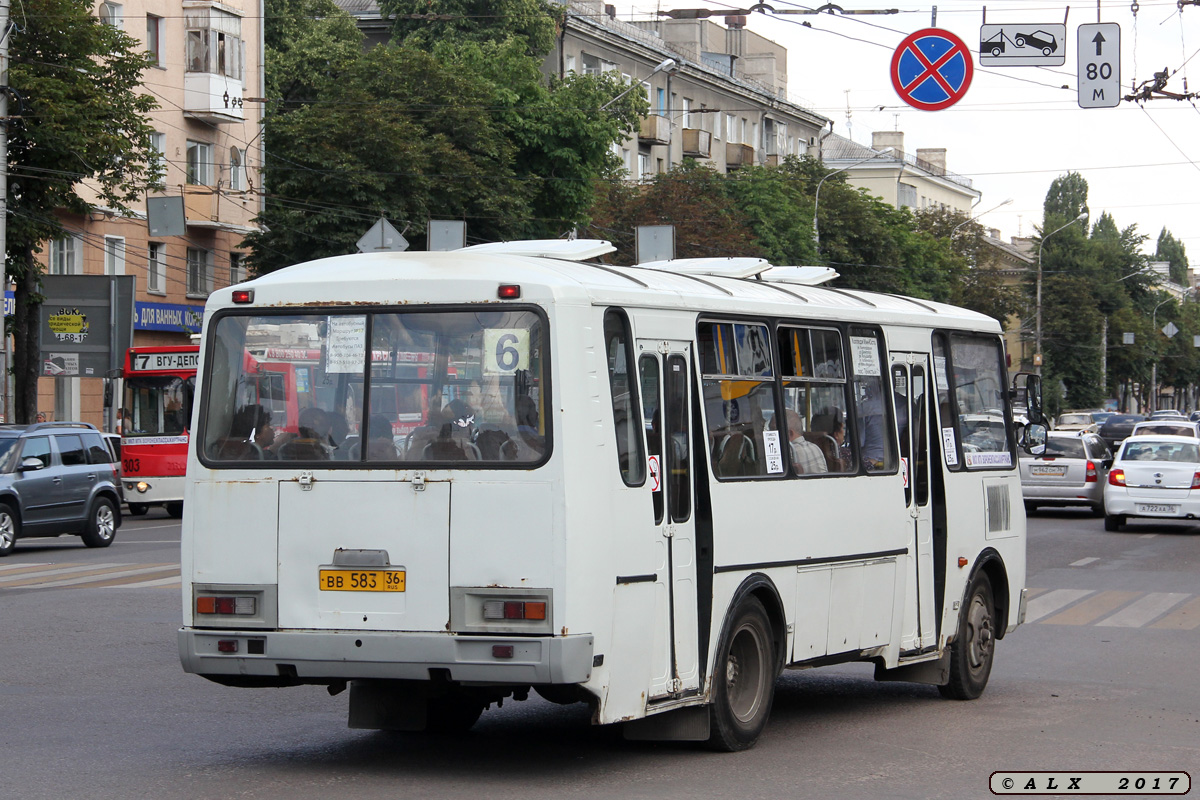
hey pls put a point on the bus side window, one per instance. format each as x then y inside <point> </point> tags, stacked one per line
<point>739,396</point>
<point>618,349</point>
<point>872,402</point>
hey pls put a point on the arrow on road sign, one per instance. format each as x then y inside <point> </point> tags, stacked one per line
<point>1099,42</point>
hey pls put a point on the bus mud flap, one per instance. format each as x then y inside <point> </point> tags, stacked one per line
<point>934,673</point>
<point>388,705</point>
<point>688,724</point>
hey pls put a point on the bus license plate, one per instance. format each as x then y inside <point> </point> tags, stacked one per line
<point>1156,509</point>
<point>361,580</point>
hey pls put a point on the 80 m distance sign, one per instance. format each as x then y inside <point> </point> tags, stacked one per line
<point>1099,65</point>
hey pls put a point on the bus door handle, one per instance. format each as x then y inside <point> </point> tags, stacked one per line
<point>668,531</point>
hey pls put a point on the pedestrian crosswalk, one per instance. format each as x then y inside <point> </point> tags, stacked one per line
<point>32,576</point>
<point>1114,609</point>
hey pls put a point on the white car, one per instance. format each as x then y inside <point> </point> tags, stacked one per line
<point>1167,427</point>
<point>1153,477</point>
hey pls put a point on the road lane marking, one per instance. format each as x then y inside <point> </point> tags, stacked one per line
<point>1142,611</point>
<point>23,566</point>
<point>1184,618</point>
<point>157,579</point>
<point>12,577</point>
<point>171,582</point>
<point>1050,602</point>
<point>1148,536</point>
<point>88,576</point>
<point>1083,562</point>
<point>1091,609</point>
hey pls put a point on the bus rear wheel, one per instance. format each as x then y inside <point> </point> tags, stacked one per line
<point>175,510</point>
<point>453,713</point>
<point>138,509</point>
<point>743,680</point>
<point>974,645</point>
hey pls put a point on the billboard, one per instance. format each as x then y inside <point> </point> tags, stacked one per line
<point>86,324</point>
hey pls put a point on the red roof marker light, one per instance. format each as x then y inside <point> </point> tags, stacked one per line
<point>243,295</point>
<point>509,291</point>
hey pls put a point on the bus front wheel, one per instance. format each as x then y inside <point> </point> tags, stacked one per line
<point>743,680</point>
<point>974,645</point>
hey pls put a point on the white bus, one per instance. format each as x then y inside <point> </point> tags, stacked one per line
<point>649,489</point>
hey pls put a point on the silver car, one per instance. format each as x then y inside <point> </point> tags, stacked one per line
<point>1071,472</point>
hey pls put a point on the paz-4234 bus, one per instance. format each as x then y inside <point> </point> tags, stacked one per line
<point>649,489</point>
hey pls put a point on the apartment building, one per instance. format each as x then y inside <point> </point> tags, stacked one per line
<point>722,99</point>
<point>207,77</point>
<point>917,180</point>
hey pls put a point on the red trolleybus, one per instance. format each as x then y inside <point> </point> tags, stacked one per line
<point>157,411</point>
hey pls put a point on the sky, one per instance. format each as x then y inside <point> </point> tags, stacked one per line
<point>1017,128</point>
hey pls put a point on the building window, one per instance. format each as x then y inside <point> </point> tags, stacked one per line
<point>237,174</point>
<point>114,255</point>
<point>199,164</point>
<point>686,120</point>
<point>569,65</point>
<point>198,271</point>
<point>661,106</point>
<point>112,14</point>
<point>643,166</point>
<point>214,42</point>
<point>731,128</point>
<point>237,273</point>
<point>154,267</point>
<point>154,39</point>
<point>591,64</point>
<point>66,256</point>
<point>159,142</point>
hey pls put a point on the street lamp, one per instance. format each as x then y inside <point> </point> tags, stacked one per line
<point>817,195</point>
<point>666,65</point>
<point>1082,216</point>
<point>1154,364</point>
<point>977,216</point>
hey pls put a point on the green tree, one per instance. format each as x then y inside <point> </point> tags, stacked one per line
<point>81,132</point>
<point>424,23</point>
<point>1172,250</point>
<point>980,286</point>
<point>464,127</point>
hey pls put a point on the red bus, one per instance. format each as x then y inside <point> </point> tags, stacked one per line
<point>156,420</point>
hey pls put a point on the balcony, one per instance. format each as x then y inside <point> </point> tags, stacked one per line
<point>697,143</point>
<point>212,98</point>
<point>738,155</point>
<point>773,160</point>
<point>656,129</point>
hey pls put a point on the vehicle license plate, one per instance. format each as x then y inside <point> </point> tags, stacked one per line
<point>362,580</point>
<point>1047,469</point>
<point>1144,508</point>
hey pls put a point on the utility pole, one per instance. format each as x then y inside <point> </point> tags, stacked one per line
<point>4,35</point>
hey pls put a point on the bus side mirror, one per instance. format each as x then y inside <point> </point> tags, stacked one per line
<point>1027,391</point>
<point>1033,438</point>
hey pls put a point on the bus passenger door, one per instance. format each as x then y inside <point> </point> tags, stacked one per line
<point>910,381</point>
<point>664,377</point>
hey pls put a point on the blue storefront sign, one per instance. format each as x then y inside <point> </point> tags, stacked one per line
<point>167,317</point>
<point>10,303</point>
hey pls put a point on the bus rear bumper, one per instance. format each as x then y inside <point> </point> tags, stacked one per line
<point>297,657</point>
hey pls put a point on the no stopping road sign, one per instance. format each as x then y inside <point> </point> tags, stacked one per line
<point>931,69</point>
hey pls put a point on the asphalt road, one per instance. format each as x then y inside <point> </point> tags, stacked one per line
<point>93,703</point>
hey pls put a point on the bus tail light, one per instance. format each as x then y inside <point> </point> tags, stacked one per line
<point>225,604</point>
<point>1117,477</point>
<point>1091,473</point>
<point>513,609</point>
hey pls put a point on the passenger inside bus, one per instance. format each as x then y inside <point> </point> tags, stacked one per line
<point>249,424</point>
<point>311,442</point>
<point>380,446</point>
<point>828,434</point>
<point>807,458</point>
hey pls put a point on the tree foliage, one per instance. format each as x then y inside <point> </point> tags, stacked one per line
<point>1172,250</point>
<point>451,121</point>
<point>79,138</point>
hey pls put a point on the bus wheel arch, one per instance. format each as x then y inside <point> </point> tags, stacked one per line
<point>991,564</point>
<point>749,658</point>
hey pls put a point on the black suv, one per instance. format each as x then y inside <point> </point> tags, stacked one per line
<point>57,478</point>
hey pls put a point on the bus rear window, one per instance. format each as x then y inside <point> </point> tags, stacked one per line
<point>460,388</point>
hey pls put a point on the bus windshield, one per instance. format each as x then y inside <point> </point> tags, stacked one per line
<point>433,386</point>
<point>157,405</point>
